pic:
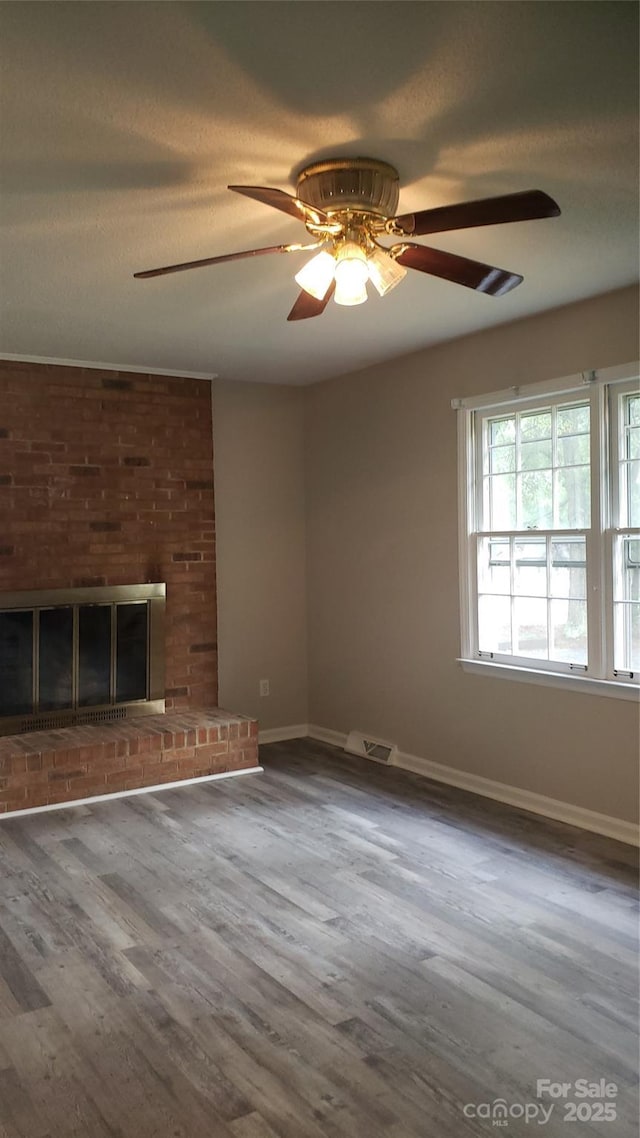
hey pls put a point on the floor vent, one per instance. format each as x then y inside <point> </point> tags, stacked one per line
<point>367,748</point>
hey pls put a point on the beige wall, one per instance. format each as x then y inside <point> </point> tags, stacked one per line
<point>260,525</point>
<point>382,576</point>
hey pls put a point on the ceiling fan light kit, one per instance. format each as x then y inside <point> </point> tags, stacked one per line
<point>384,272</point>
<point>352,274</point>
<point>348,207</point>
<point>316,276</point>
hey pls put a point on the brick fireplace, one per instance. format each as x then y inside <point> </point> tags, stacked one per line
<point>106,479</point>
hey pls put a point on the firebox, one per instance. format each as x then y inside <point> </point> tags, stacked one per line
<point>85,655</point>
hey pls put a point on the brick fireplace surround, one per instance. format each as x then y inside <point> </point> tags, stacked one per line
<point>106,478</point>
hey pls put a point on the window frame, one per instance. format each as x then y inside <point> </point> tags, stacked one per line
<point>601,536</point>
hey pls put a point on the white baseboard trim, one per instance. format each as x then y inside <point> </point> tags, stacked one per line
<point>128,793</point>
<point>572,815</point>
<point>524,799</point>
<point>324,735</point>
<point>283,734</point>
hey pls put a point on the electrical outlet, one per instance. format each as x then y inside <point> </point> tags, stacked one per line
<point>264,687</point>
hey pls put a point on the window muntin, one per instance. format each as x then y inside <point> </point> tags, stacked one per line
<point>552,552</point>
<point>532,597</point>
<point>537,469</point>
<point>536,477</point>
<point>626,604</point>
<point>629,459</point>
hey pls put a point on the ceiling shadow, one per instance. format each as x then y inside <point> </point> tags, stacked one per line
<point>44,176</point>
<point>546,65</point>
<point>457,73</point>
<point>324,58</point>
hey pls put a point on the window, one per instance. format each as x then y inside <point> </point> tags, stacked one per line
<point>550,530</point>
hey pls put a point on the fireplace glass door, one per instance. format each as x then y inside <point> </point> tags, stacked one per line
<point>16,663</point>
<point>55,659</point>
<point>102,652</point>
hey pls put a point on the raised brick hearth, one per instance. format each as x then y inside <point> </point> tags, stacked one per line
<point>43,768</point>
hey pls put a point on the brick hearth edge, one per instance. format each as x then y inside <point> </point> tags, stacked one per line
<point>44,768</point>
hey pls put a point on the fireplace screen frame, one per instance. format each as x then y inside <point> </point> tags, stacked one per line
<point>33,600</point>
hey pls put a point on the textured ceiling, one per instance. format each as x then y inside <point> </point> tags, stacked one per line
<point>122,123</point>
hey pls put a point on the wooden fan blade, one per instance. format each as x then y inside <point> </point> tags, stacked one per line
<point>307,305</point>
<point>460,270</point>
<point>219,260</point>
<point>285,202</point>
<point>524,206</point>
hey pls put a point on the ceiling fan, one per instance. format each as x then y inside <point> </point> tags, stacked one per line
<point>347,206</point>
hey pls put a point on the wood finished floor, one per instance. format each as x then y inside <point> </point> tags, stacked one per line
<point>327,950</point>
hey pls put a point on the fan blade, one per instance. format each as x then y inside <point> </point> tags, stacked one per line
<point>460,270</point>
<point>286,202</point>
<point>221,260</point>
<point>307,305</point>
<point>524,206</point>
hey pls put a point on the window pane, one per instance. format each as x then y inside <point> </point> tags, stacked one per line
<point>552,457</point>
<point>569,631</point>
<point>503,501</point>
<point>568,568</point>
<point>535,426</point>
<point>573,490</point>
<point>633,442</point>
<point>502,431</point>
<point>627,606</point>
<point>494,624</point>
<point>633,493</point>
<point>494,569</point>
<point>530,634</point>
<point>632,552</point>
<point>573,449</point>
<point>502,459</point>
<point>535,456</point>
<point>634,639</point>
<point>546,625</point>
<point>535,500</point>
<point>573,420</point>
<point>531,568</point>
<point>633,409</point>
<point>628,585</point>
<point>627,636</point>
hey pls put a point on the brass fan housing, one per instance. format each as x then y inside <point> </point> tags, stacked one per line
<point>361,185</point>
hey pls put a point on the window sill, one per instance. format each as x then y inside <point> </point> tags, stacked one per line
<point>585,685</point>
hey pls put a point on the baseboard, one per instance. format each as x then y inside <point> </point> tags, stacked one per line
<point>323,735</point>
<point>584,819</point>
<point>283,734</point>
<point>566,812</point>
<point>128,793</point>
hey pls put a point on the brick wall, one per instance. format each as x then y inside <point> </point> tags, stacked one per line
<point>106,478</point>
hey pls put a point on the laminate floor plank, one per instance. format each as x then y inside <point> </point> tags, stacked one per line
<point>332,949</point>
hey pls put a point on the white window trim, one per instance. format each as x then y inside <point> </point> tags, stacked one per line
<point>595,382</point>
<point>586,684</point>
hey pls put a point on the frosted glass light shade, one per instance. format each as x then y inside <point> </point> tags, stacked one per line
<point>384,272</point>
<point>352,273</point>
<point>316,276</point>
